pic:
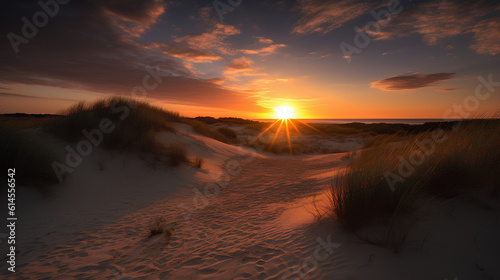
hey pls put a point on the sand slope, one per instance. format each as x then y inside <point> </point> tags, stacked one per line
<point>241,217</point>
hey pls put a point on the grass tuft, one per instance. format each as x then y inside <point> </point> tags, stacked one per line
<point>457,161</point>
<point>157,226</point>
<point>229,133</point>
<point>176,153</point>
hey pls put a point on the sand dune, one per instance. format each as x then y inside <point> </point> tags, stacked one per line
<point>253,223</point>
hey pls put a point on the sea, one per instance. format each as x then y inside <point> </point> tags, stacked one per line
<point>367,121</point>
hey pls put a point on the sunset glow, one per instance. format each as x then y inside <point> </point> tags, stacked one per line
<point>244,68</point>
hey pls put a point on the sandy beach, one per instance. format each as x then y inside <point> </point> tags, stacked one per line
<point>244,215</point>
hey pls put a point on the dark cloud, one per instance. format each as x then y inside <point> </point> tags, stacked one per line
<point>134,10</point>
<point>86,47</point>
<point>434,21</point>
<point>34,97</point>
<point>408,82</point>
<point>438,20</point>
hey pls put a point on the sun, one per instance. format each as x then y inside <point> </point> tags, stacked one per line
<point>284,112</point>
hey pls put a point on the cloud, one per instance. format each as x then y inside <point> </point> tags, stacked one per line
<point>438,20</point>
<point>319,16</point>
<point>447,89</point>
<point>31,96</point>
<point>134,16</point>
<point>264,40</point>
<point>242,64</point>
<point>186,53</point>
<point>265,50</point>
<point>487,37</point>
<point>82,48</point>
<point>211,40</point>
<point>139,11</point>
<point>409,82</point>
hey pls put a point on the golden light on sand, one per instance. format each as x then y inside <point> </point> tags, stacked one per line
<point>284,112</point>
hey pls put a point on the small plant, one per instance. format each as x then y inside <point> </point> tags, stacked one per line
<point>157,226</point>
<point>198,161</point>
<point>176,153</point>
<point>316,210</point>
<point>229,133</point>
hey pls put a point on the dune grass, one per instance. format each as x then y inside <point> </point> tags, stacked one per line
<point>384,183</point>
<point>135,124</point>
<point>205,130</point>
<point>229,133</point>
<point>133,120</point>
<point>177,154</point>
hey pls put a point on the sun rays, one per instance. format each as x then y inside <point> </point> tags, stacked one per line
<point>285,117</point>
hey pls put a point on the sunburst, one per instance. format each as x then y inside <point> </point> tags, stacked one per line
<point>284,115</point>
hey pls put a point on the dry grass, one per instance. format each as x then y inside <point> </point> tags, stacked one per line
<point>176,153</point>
<point>133,120</point>
<point>205,130</point>
<point>135,124</point>
<point>157,226</point>
<point>229,133</point>
<point>467,157</point>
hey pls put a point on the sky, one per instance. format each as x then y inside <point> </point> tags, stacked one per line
<point>228,58</point>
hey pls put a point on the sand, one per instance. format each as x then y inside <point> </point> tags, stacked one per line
<point>244,215</point>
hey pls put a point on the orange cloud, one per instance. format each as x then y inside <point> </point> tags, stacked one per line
<point>186,53</point>
<point>211,40</point>
<point>409,82</point>
<point>447,89</point>
<point>322,17</point>
<point>264,40</point>
<point>487,37</point>
<point>242,64</point>
<point>265,50</point>
<point>134,18</point>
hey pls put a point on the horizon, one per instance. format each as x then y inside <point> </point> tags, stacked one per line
<point>325,60</point>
